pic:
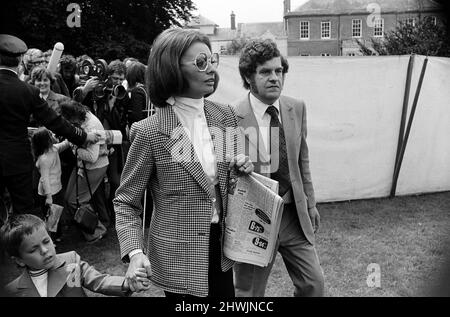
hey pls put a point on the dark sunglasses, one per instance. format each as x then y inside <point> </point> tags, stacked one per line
<point>201,61</point>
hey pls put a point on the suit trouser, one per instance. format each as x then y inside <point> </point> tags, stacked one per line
<point>20,188</point>
<point>299,256</point>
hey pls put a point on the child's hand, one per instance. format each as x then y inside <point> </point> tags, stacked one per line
<point>141,278</point>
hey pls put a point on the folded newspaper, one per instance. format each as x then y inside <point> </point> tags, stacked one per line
<point>253,220</point>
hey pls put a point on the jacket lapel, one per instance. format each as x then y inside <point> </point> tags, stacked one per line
<point>216,125</point>
<point>25,286</point>
<point>250,128</point>
<point>57,278</point>
<point>180,147</point>
<point>290,129</point>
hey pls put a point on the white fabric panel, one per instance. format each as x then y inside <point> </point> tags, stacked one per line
<point>426,165</point>
<point>354,107</point>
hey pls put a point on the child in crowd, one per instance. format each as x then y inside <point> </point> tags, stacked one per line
<point>47,274</point>
<point>46,151</point>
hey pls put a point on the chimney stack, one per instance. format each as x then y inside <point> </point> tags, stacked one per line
<point>233,21</point>
<point>287,6</point>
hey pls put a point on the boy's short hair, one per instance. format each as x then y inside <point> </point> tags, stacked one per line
<point>15,229</point>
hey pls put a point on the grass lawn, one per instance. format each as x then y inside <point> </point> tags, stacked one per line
<point>405,236</point>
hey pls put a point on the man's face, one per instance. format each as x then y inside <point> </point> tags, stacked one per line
<point>266,83</point>
<point>117,78</point>
<point>67,72</point>
<point>37,61</point>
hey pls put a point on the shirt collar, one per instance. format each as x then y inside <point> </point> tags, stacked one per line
<point>259,107</point>
<point>187,104</point>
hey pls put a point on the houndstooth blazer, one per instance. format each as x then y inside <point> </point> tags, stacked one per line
<point>178,240</point>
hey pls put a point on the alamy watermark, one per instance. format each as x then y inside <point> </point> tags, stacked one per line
<point>374,277</point>
<point>74,18</point>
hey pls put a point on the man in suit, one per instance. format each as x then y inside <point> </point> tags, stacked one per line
<point>18,101</point>
<point>274,127</point>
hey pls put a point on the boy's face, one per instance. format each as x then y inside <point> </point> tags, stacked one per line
<point>37,250</point>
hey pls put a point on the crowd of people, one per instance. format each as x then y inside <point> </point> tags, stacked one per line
<point>186,172</point>
<point>56,162</point>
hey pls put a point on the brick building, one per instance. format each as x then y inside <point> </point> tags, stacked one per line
<point>331,27</point>
<point>221,37</point>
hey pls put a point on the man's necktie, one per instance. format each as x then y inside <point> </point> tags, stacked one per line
<point>279,142</point>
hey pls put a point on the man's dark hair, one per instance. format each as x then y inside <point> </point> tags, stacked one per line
<point>116,67</point>
<point>257,52</point>
<point>68,62</point>
<point>71,109</point>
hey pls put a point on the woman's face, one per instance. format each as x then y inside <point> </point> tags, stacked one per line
<point>43,84</point>
<point>200,83</point>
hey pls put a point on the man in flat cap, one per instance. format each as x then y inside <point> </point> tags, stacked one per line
<point>18,100</point>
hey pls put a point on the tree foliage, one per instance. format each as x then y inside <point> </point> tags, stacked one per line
<point>423,38</point>
<point>109,29</point>
<point>236,45</point>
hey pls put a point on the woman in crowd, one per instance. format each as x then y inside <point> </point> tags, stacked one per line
<point>138,95</point>
<point>44,80</point>
<point>185,165</point>
<point>92,164</point>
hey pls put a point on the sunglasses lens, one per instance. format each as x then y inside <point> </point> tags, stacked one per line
<point>201,61</point>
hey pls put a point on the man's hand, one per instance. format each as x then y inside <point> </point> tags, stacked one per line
<point>90,85</point>
<point>242,164</point>
<point>138,270</point>
<point>315,218</point>
<point>92,137</point>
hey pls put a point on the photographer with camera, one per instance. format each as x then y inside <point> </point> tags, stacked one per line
<point>108,100</point>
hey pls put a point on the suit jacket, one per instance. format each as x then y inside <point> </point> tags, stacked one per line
<point>163,156</point>
<point>18,101</point>
<point>67,279</point>
<point>293,116</point>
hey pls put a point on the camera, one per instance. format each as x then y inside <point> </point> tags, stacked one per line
<point>98,68</point>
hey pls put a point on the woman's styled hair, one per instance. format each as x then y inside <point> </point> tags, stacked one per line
<point>71,109</point>
<point>163,75</point>
<point>41,141</point>
<point>135,74</point>
<point>257,52</point>
<point>40,73</point>
<point>15,229</point>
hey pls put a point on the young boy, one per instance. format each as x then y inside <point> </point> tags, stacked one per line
<point>47,274</point>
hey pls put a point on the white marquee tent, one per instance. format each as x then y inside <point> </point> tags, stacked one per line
<point>354,107</point>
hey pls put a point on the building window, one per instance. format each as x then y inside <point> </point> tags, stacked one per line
<point>304,30</point>
<point>356,28</point>
<point>325,29</point>
<point>325,54</point>
<point>379,27</point>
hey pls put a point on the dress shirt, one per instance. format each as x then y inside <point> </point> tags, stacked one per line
<point>263,118</point>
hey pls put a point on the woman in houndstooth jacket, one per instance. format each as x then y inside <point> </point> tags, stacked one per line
<point>183,153</point>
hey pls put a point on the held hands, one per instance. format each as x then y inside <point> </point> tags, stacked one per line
<point>138,272</point>
<point>141,278</point>
<point>315,218</point>
<point>241,163</point>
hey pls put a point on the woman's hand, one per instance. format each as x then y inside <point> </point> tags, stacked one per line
<point>242,164</point>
